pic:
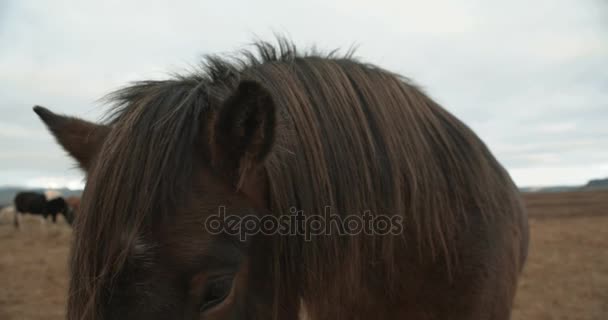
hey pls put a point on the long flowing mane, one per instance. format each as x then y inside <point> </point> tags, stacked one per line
<point>350,136</point>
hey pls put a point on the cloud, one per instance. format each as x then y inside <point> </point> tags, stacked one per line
<point>55,183</point>
<point>10,130</point>
<point>528,77</point>
<point>554,175</point>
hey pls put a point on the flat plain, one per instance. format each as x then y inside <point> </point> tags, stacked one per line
<point>566,275</point>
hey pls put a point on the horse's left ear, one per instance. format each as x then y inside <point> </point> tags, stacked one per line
<point>80,138</point>
<point>244,127</point>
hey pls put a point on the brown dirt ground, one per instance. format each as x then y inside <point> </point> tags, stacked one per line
<point>566,276</point>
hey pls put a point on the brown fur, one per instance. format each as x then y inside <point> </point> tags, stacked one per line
<point>73,202</point>
<point>279,130</point>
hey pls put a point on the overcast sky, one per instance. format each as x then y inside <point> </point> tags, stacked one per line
<point>530,77</point>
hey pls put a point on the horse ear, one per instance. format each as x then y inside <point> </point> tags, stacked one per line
<point>244,127</point>
<point>80,138</point>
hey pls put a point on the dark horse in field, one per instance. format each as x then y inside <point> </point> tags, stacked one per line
<point>281,134</point>
<point>36,203</point>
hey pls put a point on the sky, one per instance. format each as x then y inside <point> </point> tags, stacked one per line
<point>529,77</point>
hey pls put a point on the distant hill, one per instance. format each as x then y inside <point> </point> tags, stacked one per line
<point>7,194</point>
<point>595,184</point>
<point>550,189</point>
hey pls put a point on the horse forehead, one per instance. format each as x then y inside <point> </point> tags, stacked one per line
<point>139,247</point>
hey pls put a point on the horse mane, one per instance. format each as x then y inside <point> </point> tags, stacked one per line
<point>350,136</point>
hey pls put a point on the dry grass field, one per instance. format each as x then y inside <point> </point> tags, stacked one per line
<point>33,268</point>
<point>566,276</point>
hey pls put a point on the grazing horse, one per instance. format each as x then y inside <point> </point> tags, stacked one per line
<point>29,202</point>
<point>73,208</point>
<point>281,134</point>
<point>37,203</point>
<point>56,206</point>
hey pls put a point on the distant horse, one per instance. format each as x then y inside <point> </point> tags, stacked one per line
<point>281,134</point>
<point>55,207</point>
<point>73,208</point>
<point>29,202</point>
<point>37,204</point>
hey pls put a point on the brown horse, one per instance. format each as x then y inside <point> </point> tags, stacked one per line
<point>282,134</point>
<point>73,208</point>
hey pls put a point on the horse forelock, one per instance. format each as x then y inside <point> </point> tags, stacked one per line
<point>141,172</point>
<point>356,138</point>
<point>349,136</point>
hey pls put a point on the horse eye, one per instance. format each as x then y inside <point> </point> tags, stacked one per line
<point>215,292</point>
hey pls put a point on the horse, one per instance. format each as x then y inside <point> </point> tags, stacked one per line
<point>73,204</point>
<point>274,132</point>
<point>29,202</point>
<point>37,204</point>
<point>55,207</point>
